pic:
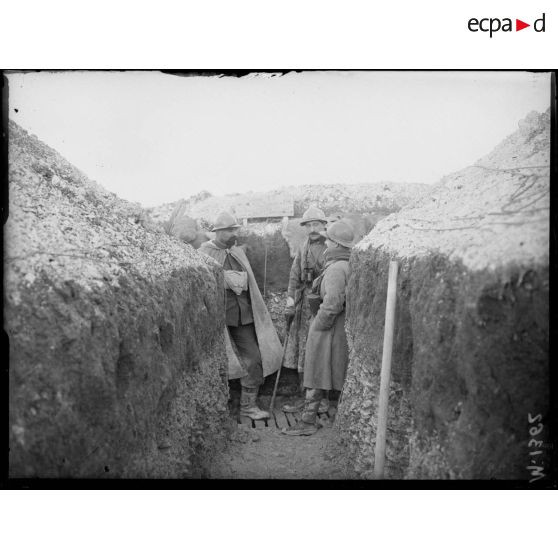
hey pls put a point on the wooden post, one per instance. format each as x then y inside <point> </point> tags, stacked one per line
<point>284,225</point>
<point>265,265</point>
<point>380,450</point>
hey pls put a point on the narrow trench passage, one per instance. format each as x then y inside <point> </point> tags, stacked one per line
<point>258,449</point>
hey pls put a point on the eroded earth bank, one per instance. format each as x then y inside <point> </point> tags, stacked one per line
<point>470,360</point>
<point>117,365</point>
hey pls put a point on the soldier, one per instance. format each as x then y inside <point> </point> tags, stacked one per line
<point>306,267</point>
<point>253,347</point>
<point>327,355</point>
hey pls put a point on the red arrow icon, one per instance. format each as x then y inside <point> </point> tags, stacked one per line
<point>519,25</point>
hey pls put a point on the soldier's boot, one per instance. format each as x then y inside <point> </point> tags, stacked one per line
<point>307,426</point>
<point>298,406</point>
<point>249,406</point>
<point>295,407</point>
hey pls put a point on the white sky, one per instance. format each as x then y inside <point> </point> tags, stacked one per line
<point>154,138</point>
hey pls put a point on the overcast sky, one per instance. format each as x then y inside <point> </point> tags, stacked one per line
<point>155,138</point>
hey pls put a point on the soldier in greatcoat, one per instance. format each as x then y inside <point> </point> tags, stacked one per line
<point>327,355</point>
<point>307,266</point>
<point>253,347</point>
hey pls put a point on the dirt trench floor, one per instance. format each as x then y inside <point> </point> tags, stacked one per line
<point>260,451</point>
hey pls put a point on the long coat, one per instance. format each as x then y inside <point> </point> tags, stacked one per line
<point>268,340</point>
<point>309,255</point>
<point>327,353</point>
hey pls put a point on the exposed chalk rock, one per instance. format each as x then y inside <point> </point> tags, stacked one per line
<point>470,357</point>
<point>487,215</point>
<point>379,197</point>
<point>117,361</point>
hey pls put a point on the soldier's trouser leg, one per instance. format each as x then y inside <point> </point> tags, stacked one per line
<point>246,342</point>
<point>312,404</point>
<point>301,383</point>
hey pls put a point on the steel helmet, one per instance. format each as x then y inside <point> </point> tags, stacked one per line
<point>334,217</point>
<point>225,221</point>
<point>340,232</point>
<point>313,214</point>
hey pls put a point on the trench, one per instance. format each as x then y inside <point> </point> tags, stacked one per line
<point>151,399</point>
<point>139,389</point>
<point>258,449</point>
<point>117,366</point>
<point>117,363</point>
<point>470,361</point>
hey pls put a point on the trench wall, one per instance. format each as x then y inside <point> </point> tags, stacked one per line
<point>126,381</point>
<point>470,362</point>
<point>270,260</point>
<point>117,364</point>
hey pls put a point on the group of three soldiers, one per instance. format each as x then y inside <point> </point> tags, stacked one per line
<point>316,344</point>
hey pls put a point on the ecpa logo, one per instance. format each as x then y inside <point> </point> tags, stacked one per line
<point>494,24</point>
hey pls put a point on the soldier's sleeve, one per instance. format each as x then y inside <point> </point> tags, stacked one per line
<point>203,249</point>
<point>334,284</point>
<point>295,280</point>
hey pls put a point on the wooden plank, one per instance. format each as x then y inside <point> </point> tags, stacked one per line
<point>281,420</point>
<point>289,419</point>
<point>257,424</point>
<point>245,421</point>
<point>276,420</point>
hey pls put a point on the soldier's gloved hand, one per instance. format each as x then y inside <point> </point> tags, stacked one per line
<point>320,325</point>
<point>289,307</point>
<point>289,310</point>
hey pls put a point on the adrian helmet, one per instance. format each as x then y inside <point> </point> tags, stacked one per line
<point>224,221</point>
<point>313,214</point>
<point>340,232</point>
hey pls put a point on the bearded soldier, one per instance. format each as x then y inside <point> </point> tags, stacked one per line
<point>306,267</point>
<point>253,347</point>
